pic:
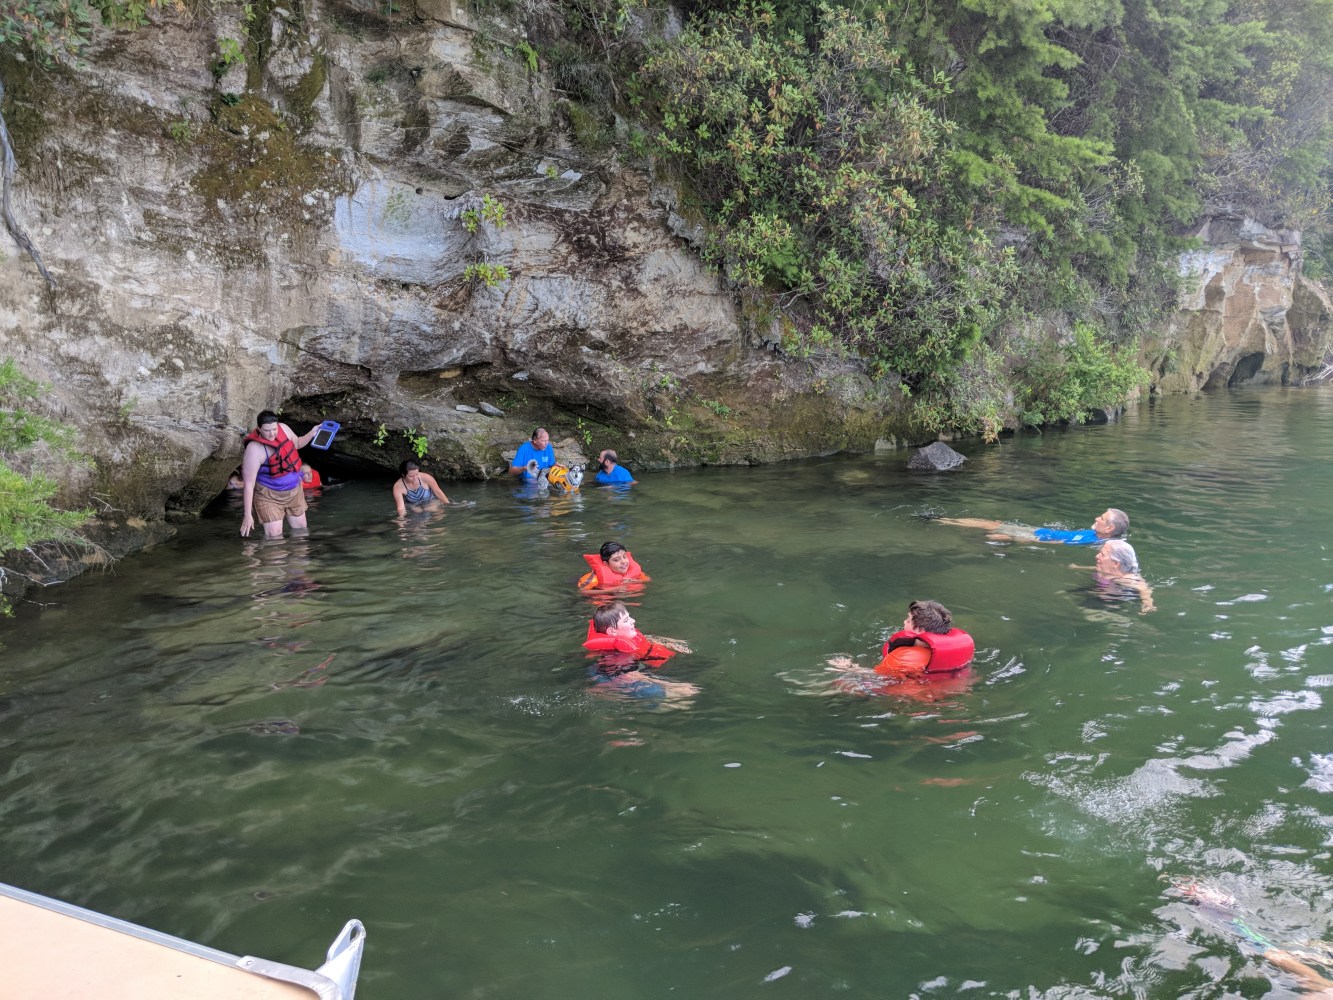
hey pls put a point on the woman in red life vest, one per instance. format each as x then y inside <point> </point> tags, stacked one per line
<point>928,644</point>
<point>271,474</point>
<point>916,659</point>
<point>612,567</point>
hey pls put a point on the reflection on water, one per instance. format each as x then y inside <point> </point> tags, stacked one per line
<point>245,742</point>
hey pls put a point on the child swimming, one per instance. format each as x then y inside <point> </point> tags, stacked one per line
<point>612,566</point>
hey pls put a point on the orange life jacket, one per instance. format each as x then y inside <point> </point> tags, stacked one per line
<point>640,647</point>
<point>945,653</point>
<point>603,577</point>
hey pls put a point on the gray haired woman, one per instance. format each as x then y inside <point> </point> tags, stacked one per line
<point>1117,571</point>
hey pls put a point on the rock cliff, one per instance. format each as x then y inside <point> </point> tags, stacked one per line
<point>389,216</point>
<point>378,216</point>
<point>1246,315</point>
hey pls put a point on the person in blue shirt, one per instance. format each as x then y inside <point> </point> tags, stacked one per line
<point>539,450</point>
<point>610,471</point>
<point>1111,524</point>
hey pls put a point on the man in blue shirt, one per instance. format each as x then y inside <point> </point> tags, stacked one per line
<point>539,450</point>
<point>1111,524</point>
<point>610,472</point>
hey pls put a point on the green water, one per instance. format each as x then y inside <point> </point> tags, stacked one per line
<point>245,743</point>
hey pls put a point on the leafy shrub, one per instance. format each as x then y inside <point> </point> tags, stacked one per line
<point>1066,382</point>
<point>822,168</point>
<point>26,513</point>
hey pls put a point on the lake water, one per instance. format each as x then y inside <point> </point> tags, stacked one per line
<point>246,743</point>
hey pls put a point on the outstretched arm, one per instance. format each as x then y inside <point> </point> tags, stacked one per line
<point>435,488</point>
<point>304,439</point>
<point>1145,594</point>
<point>679,645</point>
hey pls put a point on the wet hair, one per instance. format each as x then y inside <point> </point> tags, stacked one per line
<point>1126,559</point>
<point>605,617</point>
<point>609,549</point>
<point>1119,522</point>
<point>930,616</point>
<point>266,417</point>
<point>406,465</point>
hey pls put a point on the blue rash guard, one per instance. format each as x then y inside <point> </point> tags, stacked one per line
<point>1084,536</point>
<point>618,474</point>
<point>526,453</point>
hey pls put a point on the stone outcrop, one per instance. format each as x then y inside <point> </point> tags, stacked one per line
<point>1245,314</point>
<point>386,219</point>
<point>935,457</point>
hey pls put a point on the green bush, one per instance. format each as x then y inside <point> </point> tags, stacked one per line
<point>824,172</point>
<point>1066,382</point>
<point>26,513</point>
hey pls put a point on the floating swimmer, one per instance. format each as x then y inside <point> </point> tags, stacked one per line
<point>1222,906</point>
<point>625,650</point>
<point>613,631</point>
<point>612,566</point>
<point>416,488</point>
<point>928,644</point>
<point>928,649</point>
<point>1113,523</point>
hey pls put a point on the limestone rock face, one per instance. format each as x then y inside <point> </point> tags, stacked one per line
<point>387,222</point>
<point>1246,314</point>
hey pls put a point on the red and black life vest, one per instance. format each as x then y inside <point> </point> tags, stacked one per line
<point>283,457</point>
<point>950,651</point>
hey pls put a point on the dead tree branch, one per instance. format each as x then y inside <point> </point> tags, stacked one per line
<point>10,165</point>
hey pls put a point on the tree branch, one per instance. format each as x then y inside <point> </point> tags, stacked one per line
<point>10,165</point>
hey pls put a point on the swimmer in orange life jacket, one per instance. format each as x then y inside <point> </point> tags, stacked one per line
<point>625,650</point>
<point>928,644</point>
<point>612,631</point>
<point>927,647</point>
<point>612,566</point>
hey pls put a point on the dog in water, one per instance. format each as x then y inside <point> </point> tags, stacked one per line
<point>559,478</point>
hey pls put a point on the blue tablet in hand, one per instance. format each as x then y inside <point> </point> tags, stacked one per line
<point>325,435</point>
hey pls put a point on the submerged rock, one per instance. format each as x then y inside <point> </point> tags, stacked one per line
<point>935,457</point>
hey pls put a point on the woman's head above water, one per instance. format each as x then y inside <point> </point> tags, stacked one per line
<point>1118,557</point>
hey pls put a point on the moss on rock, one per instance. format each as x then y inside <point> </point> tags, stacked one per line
<point>254,160</point>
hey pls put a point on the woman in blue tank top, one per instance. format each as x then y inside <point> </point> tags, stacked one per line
<point>415,487</point>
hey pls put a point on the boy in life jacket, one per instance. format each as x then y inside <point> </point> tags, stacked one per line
<point>624,650</point>
<point>927,646</point>
<point>925,651</point>
<point>612,566</point>
<point>271,475</point>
